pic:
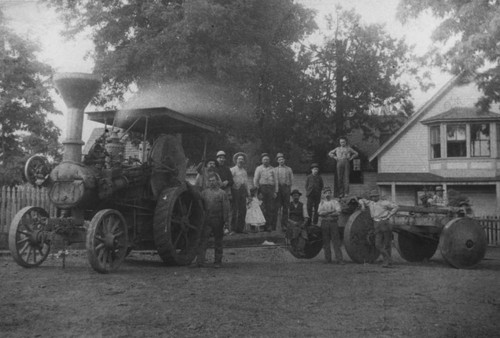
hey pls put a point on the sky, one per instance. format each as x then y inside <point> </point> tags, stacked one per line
<point>35,21</point>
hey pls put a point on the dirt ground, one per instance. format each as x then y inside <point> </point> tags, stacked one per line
<point>263,292</point>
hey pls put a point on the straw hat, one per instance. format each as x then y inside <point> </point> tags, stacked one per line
<point>238,154</point>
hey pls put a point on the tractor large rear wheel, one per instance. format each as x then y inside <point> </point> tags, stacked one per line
<point>178,221</point>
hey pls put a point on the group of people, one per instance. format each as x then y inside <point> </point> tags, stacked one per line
<point>231,202</point>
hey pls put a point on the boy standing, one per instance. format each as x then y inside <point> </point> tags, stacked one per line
<point>217,216</point>
<point>314,186</point>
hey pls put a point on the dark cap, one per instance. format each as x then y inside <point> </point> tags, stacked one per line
<point>264,155</point>
<point>314,165</point>
<point>295,191</point>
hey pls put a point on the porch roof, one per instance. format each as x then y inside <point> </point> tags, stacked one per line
<point>425,178</point>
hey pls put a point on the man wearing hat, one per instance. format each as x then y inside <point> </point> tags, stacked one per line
<point>381,211</point>
<point>298,219</point>
<point>284,175</point>
<point>329,210</point>
<point>298,212</point>
<point>314,186</point>
<point>204,170</point>
<point>240,192</point>
<point>265,180</point>
<point>437,200</point>
<point>224,173</point>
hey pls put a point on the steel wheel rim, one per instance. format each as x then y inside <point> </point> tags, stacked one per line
<point>29,241</point>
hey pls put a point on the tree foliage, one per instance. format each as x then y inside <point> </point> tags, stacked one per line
<point>468,37</point>
<point>355,69</point>
<point>24,105</point>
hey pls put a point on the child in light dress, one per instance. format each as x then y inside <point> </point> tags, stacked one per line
<point>255,218</point>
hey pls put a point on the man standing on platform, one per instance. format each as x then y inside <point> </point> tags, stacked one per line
<point>265,180</point>
<point>284,175</point>
<point>343,155</point>
<point>240,193</point>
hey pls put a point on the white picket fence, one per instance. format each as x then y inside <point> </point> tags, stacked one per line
<point>13,199</point>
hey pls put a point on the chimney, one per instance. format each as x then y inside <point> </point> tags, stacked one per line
<point>76,89</point>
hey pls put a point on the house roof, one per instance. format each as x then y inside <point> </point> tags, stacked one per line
<point>463,114</point>
<point>428,178</point>
<point>418,114</point>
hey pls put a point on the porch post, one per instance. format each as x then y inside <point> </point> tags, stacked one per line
<point>393,192</point>
<point>445,193</point>
<point>497,184</point>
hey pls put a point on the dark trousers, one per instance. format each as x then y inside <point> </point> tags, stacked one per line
<point>268,204</point>
<point>312,205</point>
<point>283,202</point>
<point>330,232</point>
<point>239,209</point>
<point>343,171</point>
<point>215,225</point>
<point>383,239</point>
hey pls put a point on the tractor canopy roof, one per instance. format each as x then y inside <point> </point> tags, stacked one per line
<point>151,121</point>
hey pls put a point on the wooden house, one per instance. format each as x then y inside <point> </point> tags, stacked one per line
<point>448,142</point>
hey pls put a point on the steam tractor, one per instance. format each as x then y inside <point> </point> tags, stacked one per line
<point>111,203</point>
<point>420,231</point>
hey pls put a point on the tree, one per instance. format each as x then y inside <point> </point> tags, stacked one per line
<point>241,48</point>
<point>24,105</point>
<point>468,38</point>
<point>356,68</point>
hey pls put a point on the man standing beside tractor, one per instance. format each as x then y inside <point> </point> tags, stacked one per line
<point>217,217</point>
<point>381,211</point>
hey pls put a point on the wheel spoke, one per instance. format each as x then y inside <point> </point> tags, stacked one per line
<point>189,209</point>
<point>183,207</point>
<point>177,239</point>
<point>191,226</point>
<point>23,240</point>
<point>34,255</point>
<point>119,234</point>
<point>26,245</point>
<point>176,220</point>
<point>100,256</point>
<point>100,239</point>
<point>99,246</point>
<point>24,233</point>
<point>29,254</point>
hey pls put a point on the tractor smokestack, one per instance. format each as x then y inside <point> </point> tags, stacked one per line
<point>76,89</point>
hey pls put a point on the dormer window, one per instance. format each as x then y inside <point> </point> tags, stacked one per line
<point>456,140</point>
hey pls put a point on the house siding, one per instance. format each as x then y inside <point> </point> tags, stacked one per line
<point>411,152</point>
